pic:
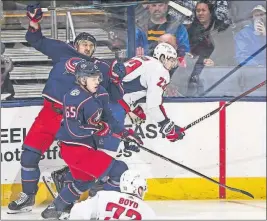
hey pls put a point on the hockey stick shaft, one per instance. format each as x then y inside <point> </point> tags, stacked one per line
<point>196,122</point>
<point>224,106</point>
<point>185,11</point>
<point>189,169</point>
<point>233,71</point>
<point>49,188</point>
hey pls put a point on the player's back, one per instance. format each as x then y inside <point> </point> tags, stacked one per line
<point>112,205</point>
<point>122,206</point>
<point>143,68</point>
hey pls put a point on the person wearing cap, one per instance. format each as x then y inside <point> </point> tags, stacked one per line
<point>251,38</point>
<point>161,23</point>
<point>46,125</point>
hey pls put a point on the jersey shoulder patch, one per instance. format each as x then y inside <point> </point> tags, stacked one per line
<point>75,92</point>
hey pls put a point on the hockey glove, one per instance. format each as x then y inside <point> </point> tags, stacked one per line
<point>117,72</point>
<point>130,136</point>
<point>137,115</point>
<point>171,131</point>
<point>104,129</point>
<point>132,146</point>
<point>34,12</point>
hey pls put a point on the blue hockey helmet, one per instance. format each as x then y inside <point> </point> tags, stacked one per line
<point>87,69</point>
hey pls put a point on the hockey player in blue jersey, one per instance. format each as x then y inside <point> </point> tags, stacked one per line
<point>86,118</point>
<point>42,132</point>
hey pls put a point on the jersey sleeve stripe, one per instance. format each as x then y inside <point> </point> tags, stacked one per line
<point>124,105</point>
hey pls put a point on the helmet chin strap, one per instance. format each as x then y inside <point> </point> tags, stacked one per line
<point>164,63</point>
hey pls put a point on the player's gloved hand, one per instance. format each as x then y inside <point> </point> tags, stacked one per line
<point>117,72</point>
<point>171,131</point>
<point>104,129</point>
<point>128,135</point>
<point>132,146</point>
<point>137,115</point>
<point>34,12</point>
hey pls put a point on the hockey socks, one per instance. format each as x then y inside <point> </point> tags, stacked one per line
<point>70,193</point>
<point>30,178</point>
<point>30,172</point>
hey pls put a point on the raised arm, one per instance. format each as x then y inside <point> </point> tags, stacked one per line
<point>54,49</point>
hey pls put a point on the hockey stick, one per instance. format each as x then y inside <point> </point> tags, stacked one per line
<point>189,169</point>
<point>48,183</point>
<point>196,122</point>
<point>224,106</point>
<point>185,11</point>
<point>233,71</point>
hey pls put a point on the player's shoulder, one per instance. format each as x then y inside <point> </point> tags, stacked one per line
<point>101,91</point>
<point>109,194</point>
<point>75,91</point>
<point>158,68</point>
<point>154,62</point>
<point>101,63</point>
<point>77,95</point>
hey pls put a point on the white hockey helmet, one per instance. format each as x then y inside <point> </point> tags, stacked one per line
<point>131,182</point>
<point>165,49</point>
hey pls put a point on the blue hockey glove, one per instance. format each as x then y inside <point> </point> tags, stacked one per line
<point>34,12</point>
<point>117,72</point>
<point>132,146</point>
<point>130,136</point>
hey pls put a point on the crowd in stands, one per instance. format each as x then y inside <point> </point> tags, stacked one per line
<point>211,37</point>
<point>207,37</point>
<point>7,89</point>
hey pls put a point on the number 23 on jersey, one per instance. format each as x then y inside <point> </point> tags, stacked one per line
<point>133,64</point>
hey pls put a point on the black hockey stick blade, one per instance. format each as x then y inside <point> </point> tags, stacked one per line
<point>196,172</point>
<point>187,168</point>
<point>238,190</point>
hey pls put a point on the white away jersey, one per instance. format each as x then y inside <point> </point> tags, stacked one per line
<point>146,77</point>
<point>112,205</point>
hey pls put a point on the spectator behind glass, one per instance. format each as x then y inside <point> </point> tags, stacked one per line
<point>221,9</point>
<point>251,38</point>
<point>160,23</point>
<point>7,89</point>
<point>203,33</point>
<point>204,25</point>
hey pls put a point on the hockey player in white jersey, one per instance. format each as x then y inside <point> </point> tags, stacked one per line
<point>147,77</point>
<point>111,205</point>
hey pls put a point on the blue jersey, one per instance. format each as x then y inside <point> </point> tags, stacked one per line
<point>82,111</point>
<point>59,81</point>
